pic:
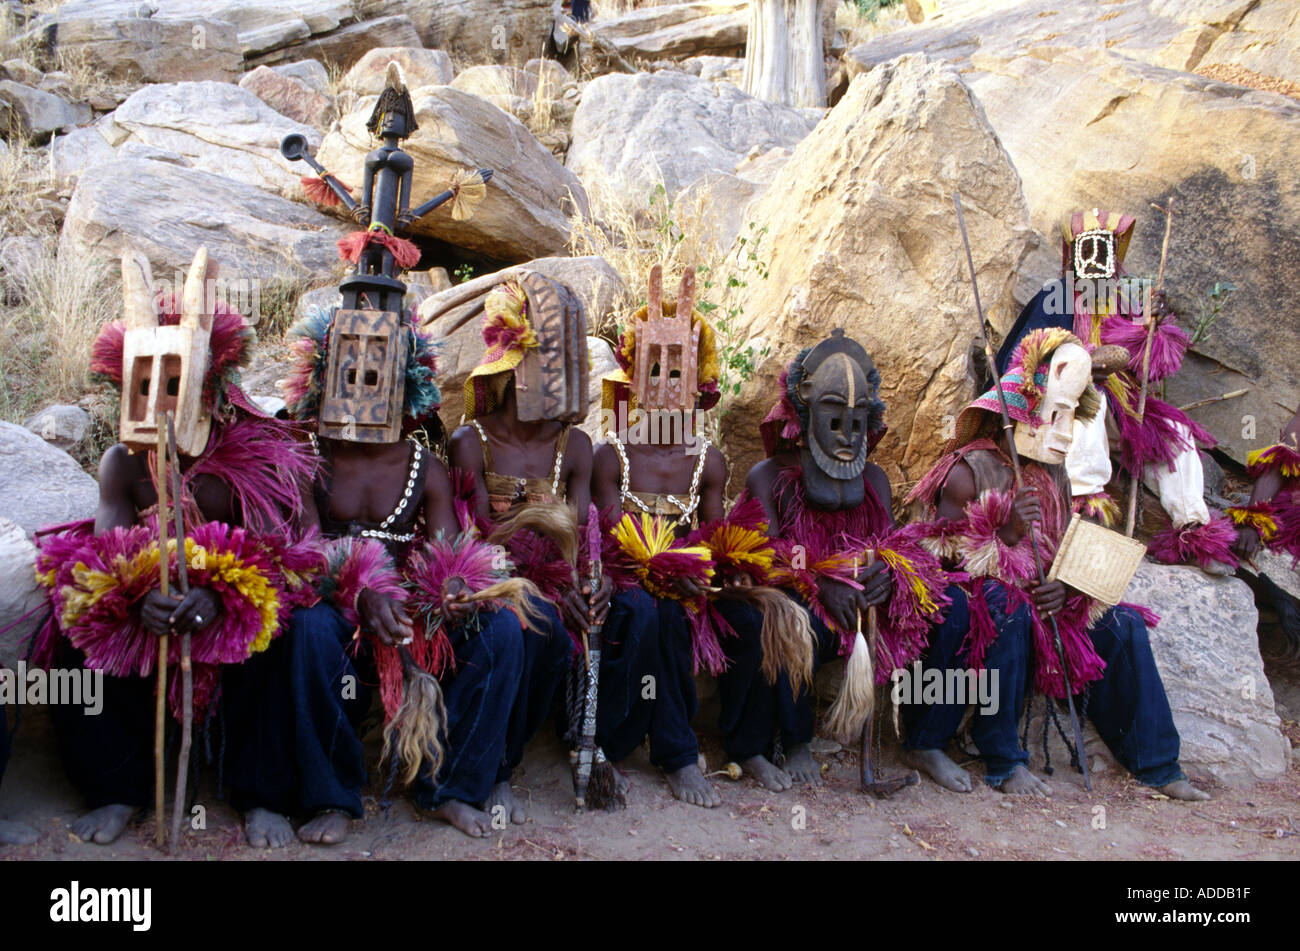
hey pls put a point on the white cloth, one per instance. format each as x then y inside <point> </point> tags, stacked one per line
<point>1088,462</point>
<point>1182,492</point>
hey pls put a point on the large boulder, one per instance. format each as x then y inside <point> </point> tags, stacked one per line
<point>20,595</point>
<point>168,212</point>
<point>529,200</point>
<point>634,132</point>
<point>289,96</point>
<point>1208,654</point>
<point>419,67</point>
<point>38,114</point>
<point>219,128</point>
<point>861,234</point>
<point>152,50</point>
<point>678,30</point>
<point>454,316</point>
<point>1097,110</point>
<point>479,31</point>
<point>347,44</point>
<point>61,425</point>
<point>79,149</point>
<point>39,484</point>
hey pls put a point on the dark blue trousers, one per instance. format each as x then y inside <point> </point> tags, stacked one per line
<point>490,660</point>
<point>646,683</point>
<point>108,757</point>
<point>930,726</point>
<point>4,743</point>
<point>291,715</point>
<point>547,654</point>
<point>753,710</point>
<point>1128,706</point>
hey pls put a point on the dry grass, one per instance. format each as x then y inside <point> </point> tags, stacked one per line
<point>859,27</point>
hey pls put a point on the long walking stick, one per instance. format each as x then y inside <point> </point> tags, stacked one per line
<point>594,782</point>
<point>1008,426</point>
<point>160,707</point>
<point>1135,478</point>
<point>187,667</point>
<point>882,788</point>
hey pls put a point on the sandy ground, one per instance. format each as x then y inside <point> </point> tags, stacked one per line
<point>1119,819</point>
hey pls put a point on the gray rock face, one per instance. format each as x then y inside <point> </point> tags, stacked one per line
<point>420,68</point>
<point>62,426</point>
<point>153,50</point>
<point>631,132</point>
<point>481,31</point>
<point>168,212</point>
<point>1208,654</point>
<point>73,153</point>
<point>289,96</point>
<point>673,31</point>
<point>347,44</point>
<point>39,114</point>
<point>309,71</point>
<point>39,484</point>
<point>525,213</point>
<point>219,128</point>
<point>19,592</point>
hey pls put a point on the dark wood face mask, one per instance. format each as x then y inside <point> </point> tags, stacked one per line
<point>365,383</point>
<point>552,379</point>
<point>838,397</point>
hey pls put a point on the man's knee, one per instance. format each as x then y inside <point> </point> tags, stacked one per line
<point>501,637</point>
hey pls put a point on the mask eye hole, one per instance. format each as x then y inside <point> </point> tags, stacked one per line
<point>350,375</point>
<point>372,377</point>
<point>173,386</point>
<point>835,425</point>
<point>654,372</point>
<point>857,426</point>
<point>144,387</point>
<point>674,374</point>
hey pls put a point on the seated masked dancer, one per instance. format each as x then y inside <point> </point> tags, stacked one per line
<point>1271,518</point>
<point>980,525</point>
<point>837,552</point>
<point>1095,302</point>
<point>524,469</point>
<point>658,478</point>
<point>242,478</point>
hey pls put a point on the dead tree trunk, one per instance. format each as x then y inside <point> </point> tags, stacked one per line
<point>783,55</point>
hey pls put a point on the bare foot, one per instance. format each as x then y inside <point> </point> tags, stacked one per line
<point>264,829</point>
<point>510,806</point>
<point>1182,789</point>
<point>103,825</point>
<point>938,766</point>
<point>801,766</point>
<point>15,833</point>
<point>1024,783</point>
<point>328,828</point>
<point>622,782</point>
<point>767,773</point>
<point>461,815</point>
<point>689,785</point>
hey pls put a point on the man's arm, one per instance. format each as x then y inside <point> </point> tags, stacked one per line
<point>118,470</point>
<point>759,485</point>
<point>713,485</point>
<point>576,472</point>
<point>439,508</point>
<point>465,451</point>
<point>607,479</point>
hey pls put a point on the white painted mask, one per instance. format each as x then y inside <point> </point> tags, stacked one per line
<point>1068,375</point>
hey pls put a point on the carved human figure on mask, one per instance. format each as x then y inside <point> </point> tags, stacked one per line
<point>975,518</point>
<point>826,508</point>
<point>242,480</point>
<point>1097,301</point>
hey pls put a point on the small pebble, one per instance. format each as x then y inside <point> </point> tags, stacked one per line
<point>1058,821</point>
<point>974,852</point>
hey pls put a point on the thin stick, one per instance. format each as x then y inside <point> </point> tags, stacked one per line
<point>1007,426</point>
<point>187,667</point>
<point>1214,399</point>
<point>160,708</point>
<point>1130,520</point>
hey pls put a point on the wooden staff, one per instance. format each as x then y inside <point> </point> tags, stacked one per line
<point>187,667</point>
<point>160,708</point>
<point>1135,480</point>
<point>882,787</point>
